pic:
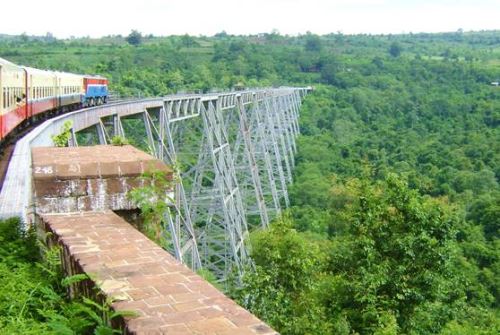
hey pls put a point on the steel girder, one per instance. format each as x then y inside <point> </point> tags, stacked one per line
<point>233,155</point>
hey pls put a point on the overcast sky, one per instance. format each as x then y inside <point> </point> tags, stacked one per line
<point>95,18</point>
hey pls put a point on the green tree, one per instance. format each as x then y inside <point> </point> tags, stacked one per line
<point>313,43</point>
<point>396,260</point>
<point>134,38</point>
<point>282,288</point>
<point>395,49</point>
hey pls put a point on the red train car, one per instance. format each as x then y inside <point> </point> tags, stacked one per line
<point>42,91</point>
<point>28,93</point>
<point>13,109</point>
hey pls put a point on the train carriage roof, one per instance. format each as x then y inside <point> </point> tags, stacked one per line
<point>47,73</point>
<point>7,64</point>
<point>32,70</point>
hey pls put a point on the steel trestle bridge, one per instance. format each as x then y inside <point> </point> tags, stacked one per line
<point>232,153</point>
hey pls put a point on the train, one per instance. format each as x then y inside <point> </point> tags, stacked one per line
<point>29,94</point>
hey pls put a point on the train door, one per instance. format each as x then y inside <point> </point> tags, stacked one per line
<point>23,97</point>
<point>31,94</point>
<point>54,90</point>
<point>27,93</point>
<point>58,92</point>
<point>1,105</point>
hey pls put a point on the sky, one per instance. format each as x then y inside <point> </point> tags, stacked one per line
<point>96,18</point>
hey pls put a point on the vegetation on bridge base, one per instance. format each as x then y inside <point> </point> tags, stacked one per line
<point>34,296</point>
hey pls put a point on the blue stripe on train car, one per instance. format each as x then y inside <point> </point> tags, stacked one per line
<point>94,91</point>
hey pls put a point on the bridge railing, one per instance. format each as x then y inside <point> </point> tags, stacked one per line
<point>240,149</point>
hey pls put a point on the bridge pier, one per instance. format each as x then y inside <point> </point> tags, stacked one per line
<point>74,189</point>
<point>232,154</point>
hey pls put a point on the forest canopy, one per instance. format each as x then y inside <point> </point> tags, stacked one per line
<point>394,223</point>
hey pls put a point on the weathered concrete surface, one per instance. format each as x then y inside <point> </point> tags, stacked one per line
<point>141,277</point>
<point>88,178</point>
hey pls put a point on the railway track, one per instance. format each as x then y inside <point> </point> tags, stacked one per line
<point>7,151</point>
<point>8,145</point>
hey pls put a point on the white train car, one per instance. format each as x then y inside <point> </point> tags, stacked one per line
<point>70,90</point>
<point>42,87</point>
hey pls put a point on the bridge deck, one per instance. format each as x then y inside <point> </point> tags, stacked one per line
<point>141,277</point>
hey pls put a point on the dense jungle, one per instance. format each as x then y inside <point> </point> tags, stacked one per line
<point>395,215</point>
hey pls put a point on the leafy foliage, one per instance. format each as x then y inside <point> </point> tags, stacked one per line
<point>119,140</point>
<point>134,38</point>
<point>62,139</point>
<point>395,210</point>
<point>154,201</point>
<point>33,295</point>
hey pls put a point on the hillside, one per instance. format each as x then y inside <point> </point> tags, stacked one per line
<point>394,223</point>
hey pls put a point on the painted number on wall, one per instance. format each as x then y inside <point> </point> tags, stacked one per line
<point>44,169</point>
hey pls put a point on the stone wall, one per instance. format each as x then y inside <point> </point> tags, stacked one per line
<point>140,277</point>
<point>89,178</point>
